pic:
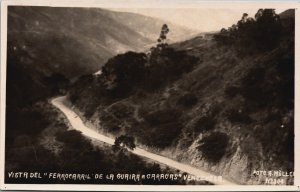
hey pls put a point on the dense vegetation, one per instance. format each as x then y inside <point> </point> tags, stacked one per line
<point>261,33</point>
<point>230,95</point>
<point>269,86</point>
<point>26,87</point>
<point>129,73</point>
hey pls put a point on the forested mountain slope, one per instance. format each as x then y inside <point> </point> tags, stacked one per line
<point>225,104</point>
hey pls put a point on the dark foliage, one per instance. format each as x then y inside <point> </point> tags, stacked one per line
<point>253,34</point>
<point>72,138</point>
<point>124,141</point>
<point>238,116</point>
<point>162,116</point>
<point>188,100</point>
<point>252,85</point>
<point>57,83</point>
<point>277,139</point>
<point>128,74</point>
<point>286,72</point>
<point>78,155</point>
<point>204,124</point>
<point>231,91</point>
<point>131,73</point>
<point>85,158</point>
<point>115,129</point>
<point>123,72</point>
<point>166,66</point>
<point>26,121</point>
<point>163,135</point>
<point>25,87</point>
<point>162,127</point>
<point>162,40</point>
<point>288,144</point>
<point>24,84</point>
<point>213,147</point>
<point>80,86</point>
<point>273,81</point>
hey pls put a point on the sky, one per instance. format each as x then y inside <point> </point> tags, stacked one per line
<point>202,20</point>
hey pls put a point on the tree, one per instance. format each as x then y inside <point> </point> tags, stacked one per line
<point>162,40</point>
<point>268,29</point>
<point>245,17</point>
<point>123,73</point>
<point>124,141</point>
<point>258,14</point>
<point>223,30</point>
<point>260,34</point>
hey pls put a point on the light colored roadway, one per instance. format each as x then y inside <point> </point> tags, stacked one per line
<point>77,124</point>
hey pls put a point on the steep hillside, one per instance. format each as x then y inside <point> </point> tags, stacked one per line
<point>225,104</point>
<point>77,41</point>
<point>47,47</point>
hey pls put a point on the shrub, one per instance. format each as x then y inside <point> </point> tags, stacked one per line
<point>187,100</point>
<point>162,135</point>
<point>253,88</point>
<point>163,116</point>
<point>55,82</point>
<point>167,66</point>
<point>238,116</point>
<point>73,97</point>
<point>124,72</point>
<point>124,141</point>
<point>89,110</point>
<point>232,91</point>
<point>73,139</point>
<point>121,110</point>
<point>27,121</point>
<point>214,146</point>
<point>162,127</point>
<point>204,124</point>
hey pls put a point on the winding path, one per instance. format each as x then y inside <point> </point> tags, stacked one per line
<point>77,124</point>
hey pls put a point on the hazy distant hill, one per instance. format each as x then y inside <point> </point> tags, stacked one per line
<point>149,27</point>
<point>76,41</point>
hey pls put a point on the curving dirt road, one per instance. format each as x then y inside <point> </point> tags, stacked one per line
<point>77,124</point>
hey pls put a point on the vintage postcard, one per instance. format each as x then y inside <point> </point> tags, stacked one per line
<point>149,95</point>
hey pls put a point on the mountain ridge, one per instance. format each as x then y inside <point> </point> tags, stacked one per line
<point>90,35</point>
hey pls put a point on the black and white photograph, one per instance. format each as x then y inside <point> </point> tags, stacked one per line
<point>148,96</point>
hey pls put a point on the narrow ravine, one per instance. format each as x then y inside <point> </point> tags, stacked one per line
<point>78,124</point>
